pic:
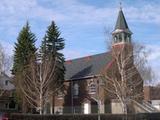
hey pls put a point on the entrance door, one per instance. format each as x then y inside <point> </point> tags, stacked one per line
<point>108,106</point>
<point>86,108</point>
<point>94,107</point>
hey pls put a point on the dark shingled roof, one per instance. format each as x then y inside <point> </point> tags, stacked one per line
<point>121,22</point>
<point>86,66</point>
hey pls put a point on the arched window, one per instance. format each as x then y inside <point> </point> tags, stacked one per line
<point>129,38</point>
<point>125,37</point>
<point>115,39</point>
<point>60,94</point>
<point>75,89</point>
<point>120,38</point>
<point>92,87</point>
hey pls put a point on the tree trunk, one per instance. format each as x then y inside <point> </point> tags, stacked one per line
<point>40,104</point>
<point>40,97</point>
<point>124,108</point>
<point>24,105</point>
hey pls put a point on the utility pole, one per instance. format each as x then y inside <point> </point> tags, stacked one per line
<point>72,97</point>
<point>99,101</point>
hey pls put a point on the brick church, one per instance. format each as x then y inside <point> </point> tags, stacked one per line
<point>83,90</point>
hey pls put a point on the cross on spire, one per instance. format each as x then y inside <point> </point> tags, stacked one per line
<point>120,5</point>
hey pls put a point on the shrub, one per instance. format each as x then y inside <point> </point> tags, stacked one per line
<point>142,116</point>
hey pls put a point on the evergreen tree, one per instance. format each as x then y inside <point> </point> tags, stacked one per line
<point>24,49</point>
<point>53,44</point>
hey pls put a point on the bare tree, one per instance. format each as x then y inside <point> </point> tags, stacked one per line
<point>2,59</point>
<point>1,69</point>
<point>5,64</point>
<point>124,80</point>
<point>108,37</point>
<point>40,83</point>
<point>141,61</point>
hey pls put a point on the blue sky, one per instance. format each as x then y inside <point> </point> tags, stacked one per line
<point>82,23</point>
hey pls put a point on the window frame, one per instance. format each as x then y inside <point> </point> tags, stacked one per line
<point>60,94</point>
<point>75,90</point>
<point>92,87</point>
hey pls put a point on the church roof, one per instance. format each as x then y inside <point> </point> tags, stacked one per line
<point>86,66</point>
<point>121,23</point>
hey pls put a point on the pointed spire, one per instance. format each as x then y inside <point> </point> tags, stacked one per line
<point>121,21</point>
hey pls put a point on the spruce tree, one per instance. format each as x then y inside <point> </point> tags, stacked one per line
<point>24,49</point>
<point>53,44</point>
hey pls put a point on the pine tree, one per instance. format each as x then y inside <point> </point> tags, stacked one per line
<point>54,44</point>
<point>24,49</point>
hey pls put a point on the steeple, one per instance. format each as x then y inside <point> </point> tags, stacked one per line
<point>121,21</point>
<point>121,32</point>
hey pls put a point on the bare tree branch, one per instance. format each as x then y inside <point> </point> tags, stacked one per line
<point>40,83</point>
<point>5,64</point>
<point>125,79</point>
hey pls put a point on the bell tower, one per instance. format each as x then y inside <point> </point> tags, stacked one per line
<point>121,39</point>
<point>121,33</point>
<point>121,36</point>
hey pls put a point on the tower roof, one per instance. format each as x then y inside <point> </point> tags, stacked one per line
<point>121,23</point>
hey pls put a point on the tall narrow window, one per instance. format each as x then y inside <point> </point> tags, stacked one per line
<point>76,90</point>
<point>128,38</point>
<point>120,37</point>
<point>6,82</point>
<point>115,39</point>
<point>60,94</point>
<point>92,88</point>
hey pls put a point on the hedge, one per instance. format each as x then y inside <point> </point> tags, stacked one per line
<point>146,116</point>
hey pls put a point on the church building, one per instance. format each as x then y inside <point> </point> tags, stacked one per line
<point>84,91</point>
